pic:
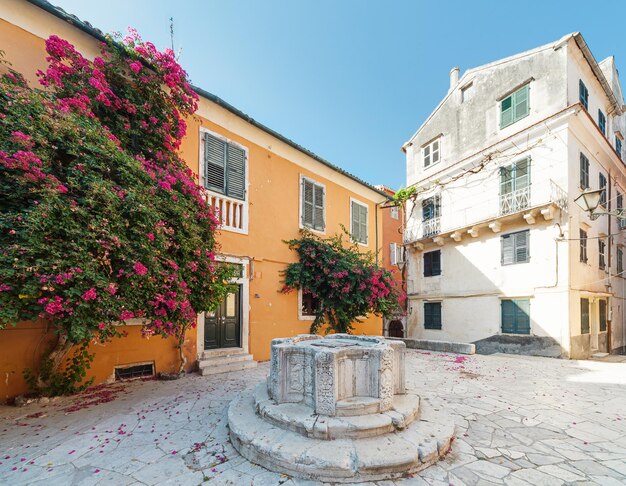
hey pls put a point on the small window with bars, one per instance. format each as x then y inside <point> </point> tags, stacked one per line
<point>134,371</point>
<point>224,167</point>
<point>358,226</point>
<point>310,304</point>
<point>515,248</point>
<point>620,261</point>
<point>618,146</point>
<point>313,204</point>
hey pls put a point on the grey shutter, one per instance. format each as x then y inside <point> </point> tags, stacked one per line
<point>236,172</point>
<point>584,316</point>
<point>362,224</point>
<point>506,180</point>
<point>521,104</point>
<point>393,254</point>
<point>522,174</point>
<point>318,210</point>
<point>507,256</point>
<point>307,203</point>
<point>355,223</point>
<point>214,156</point>
<point>521,247</point>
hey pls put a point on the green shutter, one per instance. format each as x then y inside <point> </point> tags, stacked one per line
<point>236,172</point>
<point>307,203</point>
<point>506,111</point>
<point>584,316</point>
<point>515,316</point>
<point>432,315</point>
<point>215,162</point>
<point>508,316</point>
<point>522,107</point>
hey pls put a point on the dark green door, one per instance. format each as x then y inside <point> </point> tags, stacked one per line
<point>222,328</point>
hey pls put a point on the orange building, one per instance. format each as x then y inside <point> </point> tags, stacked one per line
<point>266,188</point>
<point>393,257</point>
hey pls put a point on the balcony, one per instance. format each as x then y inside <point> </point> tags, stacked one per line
<point>231,213</point>
<point>472,212</point>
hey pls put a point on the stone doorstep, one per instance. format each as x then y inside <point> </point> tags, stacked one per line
<point>301,418</point>
<point>220,360</point>
<point>214,353</point>
<point>389,456</point>
<point>215,367</point>
<point>349,407</point>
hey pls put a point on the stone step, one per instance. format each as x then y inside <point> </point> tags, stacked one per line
<point>228,367</point>
<point>221,360</point>
<point>214,353</point>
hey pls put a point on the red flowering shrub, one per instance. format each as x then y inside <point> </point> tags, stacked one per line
<point>100,219</point>
<point>345,283</point>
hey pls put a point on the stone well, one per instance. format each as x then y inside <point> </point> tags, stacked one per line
<point>341,388</point>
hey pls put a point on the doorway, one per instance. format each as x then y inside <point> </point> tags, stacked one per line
<point>222,328</point>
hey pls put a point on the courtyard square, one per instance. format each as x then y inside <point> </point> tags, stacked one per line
<point>519,420</point>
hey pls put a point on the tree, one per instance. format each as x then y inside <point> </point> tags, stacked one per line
<point>101,221</point>
<point>346,283</point>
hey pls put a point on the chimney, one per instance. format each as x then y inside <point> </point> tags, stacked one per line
<point>454,77</point>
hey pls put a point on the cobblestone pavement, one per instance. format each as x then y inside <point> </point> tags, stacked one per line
<point>520,421</point>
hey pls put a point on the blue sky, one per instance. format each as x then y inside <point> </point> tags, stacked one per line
<point>350,80</point>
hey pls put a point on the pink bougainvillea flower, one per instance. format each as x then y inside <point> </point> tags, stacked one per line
<point>140,269</point>
<point>90,294</point>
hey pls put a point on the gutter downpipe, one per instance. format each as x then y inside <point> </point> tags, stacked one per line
<point>609,312</point>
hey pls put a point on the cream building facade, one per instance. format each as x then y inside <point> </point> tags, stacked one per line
<point>498,252</point>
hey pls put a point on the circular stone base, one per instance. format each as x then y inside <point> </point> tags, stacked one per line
<point>301,418</point>
<point>387,456</point>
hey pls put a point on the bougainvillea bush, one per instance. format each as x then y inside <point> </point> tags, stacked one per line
<point>346,283</point>
<point>101,221</point>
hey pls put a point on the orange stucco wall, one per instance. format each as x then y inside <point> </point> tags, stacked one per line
<point>274,171</point>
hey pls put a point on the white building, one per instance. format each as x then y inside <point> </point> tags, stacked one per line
<point>494,237</point>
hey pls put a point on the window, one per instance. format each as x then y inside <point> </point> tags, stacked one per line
<point>432,263</point>
<point>619,203</point>
<point>602,122</point>
<point>583,246</point>
<point>395,212</point>
<point>396,253</point>
<point>313,206</point>
<point>431,212</point>
<point>584,316</point>
<point>358,217</point>
<point>466,92</point>
<point>584,171</point>
<point>432,315</point>
<point>431,153</point>
<point>514,107</point>
<point>620,261</point>
<point>515,248</point>
<point>310,304</point>
<point>515,186</point>
<point>618,146</point>
<point>583,94</point>
<point>225,167</point>
<point>515,316</point>
<point>602,305</point>
<point>602,186</point>
<point>601,258</point>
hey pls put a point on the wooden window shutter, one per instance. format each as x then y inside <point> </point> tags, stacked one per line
<point>307,203</point>
<point>355,223</point>
<point>318,211</point>
<point>507,256</point>
<point>522,316</point>
<point>362,210</point>
<point>508,316</point>
<point>236,172</point>
<point>521,247</point>
<point>393,254</point>
<point>215,163</point>
<point>584,316</point>
<point>522,107</point>
<point>506,111</point>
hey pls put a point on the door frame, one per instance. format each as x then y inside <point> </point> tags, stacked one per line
<point>244,307</point>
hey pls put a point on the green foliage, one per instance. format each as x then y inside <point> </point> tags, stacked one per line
<point>347,283</point>
<point>65,382</point>
<point>403,195</point>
